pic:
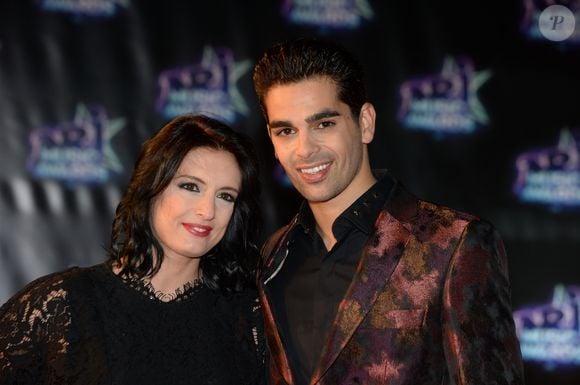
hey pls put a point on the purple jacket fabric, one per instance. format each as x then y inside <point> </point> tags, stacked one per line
<point>430,303</point>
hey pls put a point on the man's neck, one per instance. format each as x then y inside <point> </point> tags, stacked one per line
<point>325,213</point>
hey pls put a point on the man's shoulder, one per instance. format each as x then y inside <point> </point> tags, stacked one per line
<point>419,215</point>
<point>435,220</point>
<point>404,205</point>
<point>438,211</point>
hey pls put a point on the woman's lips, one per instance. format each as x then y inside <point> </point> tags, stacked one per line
<point>197,229</point>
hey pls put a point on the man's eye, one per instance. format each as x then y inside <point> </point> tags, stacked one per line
<point>227,197</point>
<point>325,124</point>
<point>189,186</point>
<point>285,132</point>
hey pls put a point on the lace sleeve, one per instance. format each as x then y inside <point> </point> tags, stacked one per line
<point>33,324</point>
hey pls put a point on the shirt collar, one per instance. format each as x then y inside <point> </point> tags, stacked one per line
<point>362,213</point>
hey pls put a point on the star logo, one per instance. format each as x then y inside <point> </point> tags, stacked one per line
<point>210,87</point>
<point>79,150</point>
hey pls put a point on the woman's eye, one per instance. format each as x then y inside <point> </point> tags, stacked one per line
<point>227,197</point>
<point>189,186</point>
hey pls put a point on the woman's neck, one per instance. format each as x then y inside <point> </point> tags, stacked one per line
<point>174,274</point>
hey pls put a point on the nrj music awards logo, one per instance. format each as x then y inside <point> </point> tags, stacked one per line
<point>77,151</point>
<point>551,20</point>
<point>348,14</point>
<point>92,8</point>
<point>444,103</point>
<point>209,87</point>
<point>551,176</point>
<point>550,333</point>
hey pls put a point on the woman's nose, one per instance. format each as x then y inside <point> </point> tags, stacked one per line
<point>206,208</point>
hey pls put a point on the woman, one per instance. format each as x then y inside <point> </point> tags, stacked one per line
<point>174,303</point>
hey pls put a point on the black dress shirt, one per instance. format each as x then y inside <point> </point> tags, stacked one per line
<point>313,280</point>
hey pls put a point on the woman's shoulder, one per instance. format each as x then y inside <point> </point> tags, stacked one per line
<point>43,291</point>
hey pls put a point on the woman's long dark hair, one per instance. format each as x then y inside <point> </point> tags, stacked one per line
<point>230,265</point>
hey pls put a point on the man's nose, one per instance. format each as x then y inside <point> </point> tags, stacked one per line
<point>306,146</point>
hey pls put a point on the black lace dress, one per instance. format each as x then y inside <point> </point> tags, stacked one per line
<point>88,326</point>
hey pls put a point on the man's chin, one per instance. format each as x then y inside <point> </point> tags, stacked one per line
<point>316,196</point>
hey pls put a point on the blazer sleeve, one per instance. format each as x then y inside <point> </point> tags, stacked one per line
<point>479,335</point>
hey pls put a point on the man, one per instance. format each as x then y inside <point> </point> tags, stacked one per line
<point>368,284</point>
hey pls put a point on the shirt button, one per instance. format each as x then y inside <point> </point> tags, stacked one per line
<point>355,212</point>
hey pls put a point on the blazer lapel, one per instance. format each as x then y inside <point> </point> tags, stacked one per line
<point>379,259</point>
<point>277,351</point>
<point>276,254</point>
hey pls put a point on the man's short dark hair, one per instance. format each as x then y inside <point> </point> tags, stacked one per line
<point>302,59</point>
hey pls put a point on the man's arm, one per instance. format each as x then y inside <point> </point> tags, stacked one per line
<point>479,335</point>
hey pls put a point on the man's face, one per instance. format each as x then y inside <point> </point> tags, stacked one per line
<point>316,139</point>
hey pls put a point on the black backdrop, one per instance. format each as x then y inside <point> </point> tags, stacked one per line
<point>84,82</point>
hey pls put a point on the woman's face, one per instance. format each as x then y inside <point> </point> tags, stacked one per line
<point>192,214</point>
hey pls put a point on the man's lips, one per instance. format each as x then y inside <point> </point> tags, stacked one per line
<point>197,229</point>
<point>314,169</point>
<point>313,174</point>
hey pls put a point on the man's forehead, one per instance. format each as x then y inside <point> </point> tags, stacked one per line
<point>302,101</point>
<point>318,80</point>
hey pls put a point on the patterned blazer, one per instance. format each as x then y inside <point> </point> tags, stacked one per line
<point>430,303</point>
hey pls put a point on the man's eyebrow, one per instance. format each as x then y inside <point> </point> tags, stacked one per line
<point>279,123</point>
<point>325,114</point>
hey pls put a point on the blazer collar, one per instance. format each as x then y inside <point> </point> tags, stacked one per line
<point>382,253</point>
